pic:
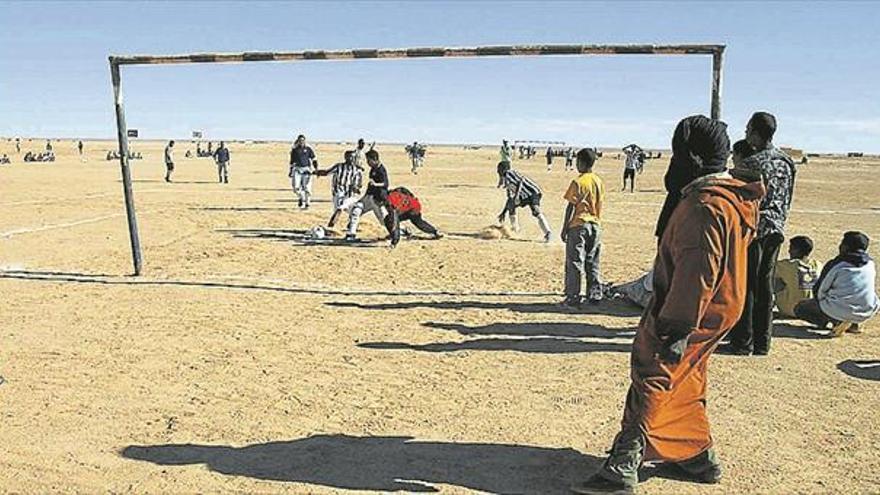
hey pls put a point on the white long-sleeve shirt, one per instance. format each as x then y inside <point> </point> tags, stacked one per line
<point>847,292</point>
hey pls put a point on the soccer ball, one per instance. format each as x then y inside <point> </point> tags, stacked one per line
<point>317,232</point>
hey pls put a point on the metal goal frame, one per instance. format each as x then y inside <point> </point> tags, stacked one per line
<point>116,62</point>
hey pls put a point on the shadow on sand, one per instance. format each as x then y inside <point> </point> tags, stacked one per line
<point>101,279</point>
<point>547,329</point>
<point>610,308</point>
<point>300,237</point>
<point>868,369</point>
<point>804,332</point>
<point>386,464</point>
<point>537,345</point>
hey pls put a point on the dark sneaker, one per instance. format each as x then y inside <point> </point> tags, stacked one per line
<point>599,485</point>
<point>732,350</point>
<point>300,203</point>
<point>439,235</point>
<point>571,302</point>
<point>854,329</point>
<point>711,476</point>
<point>703,469</point>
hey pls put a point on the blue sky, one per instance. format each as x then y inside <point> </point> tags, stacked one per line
<point>815,65</point>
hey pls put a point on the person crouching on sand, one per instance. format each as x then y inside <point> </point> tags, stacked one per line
<point>403,205</point>
<point>521,191</point>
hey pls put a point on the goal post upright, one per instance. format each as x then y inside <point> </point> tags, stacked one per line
<point>122,136</point>
<point>715,50</point>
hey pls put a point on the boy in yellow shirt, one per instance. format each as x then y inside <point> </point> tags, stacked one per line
<point>581,231</point>
<point>795,277</point>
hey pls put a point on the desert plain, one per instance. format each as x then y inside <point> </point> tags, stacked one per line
<point>248,358</point>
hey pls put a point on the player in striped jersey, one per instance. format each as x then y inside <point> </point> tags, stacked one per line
<point>345,186</point>
<point>521,191</point>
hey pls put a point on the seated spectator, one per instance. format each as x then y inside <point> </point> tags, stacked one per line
<point>844,294</point>
<point>4,160</point>
<point>29,156</point>
<point>638,291</point>
<point>796,276</point>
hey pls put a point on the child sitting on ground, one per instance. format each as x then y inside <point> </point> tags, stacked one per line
<point>796,276</point>
<point>844,294</point>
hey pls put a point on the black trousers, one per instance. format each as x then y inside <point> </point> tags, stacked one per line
<point>393,219</point>
<point>754,330</point>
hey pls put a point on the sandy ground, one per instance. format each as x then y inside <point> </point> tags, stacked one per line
<point>247,360</point>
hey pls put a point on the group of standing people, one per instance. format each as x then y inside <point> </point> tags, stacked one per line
<point>220,155</point>
<point>390,206</point>
<point>719,233</point>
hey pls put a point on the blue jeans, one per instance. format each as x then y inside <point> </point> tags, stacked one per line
<point>582,249</point>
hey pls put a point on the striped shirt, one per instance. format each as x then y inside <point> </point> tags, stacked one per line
<point>632,160</point>
<point>514,181</point>
<point>347,179</point>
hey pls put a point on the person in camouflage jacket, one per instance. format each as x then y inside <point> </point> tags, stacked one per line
<point>753,332</point>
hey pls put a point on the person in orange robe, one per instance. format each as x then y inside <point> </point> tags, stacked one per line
<point>699,293</point>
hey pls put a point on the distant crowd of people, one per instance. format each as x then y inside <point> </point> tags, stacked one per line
<point>390,206</point>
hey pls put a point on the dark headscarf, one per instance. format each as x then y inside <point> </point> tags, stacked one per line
<point>700,146</point>
<point>855,241</point>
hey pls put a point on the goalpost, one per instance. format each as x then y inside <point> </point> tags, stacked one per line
<point>716,51</point>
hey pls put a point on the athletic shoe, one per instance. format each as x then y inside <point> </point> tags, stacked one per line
<point>300,203</point>
<point>547,237</point>
<point>571,302</point>
<point>711,476</point>
<point>599,485</point>
<point>439,235</point>
<point>732,350</point>
<point>350,237</point>
<point>854,329</point>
